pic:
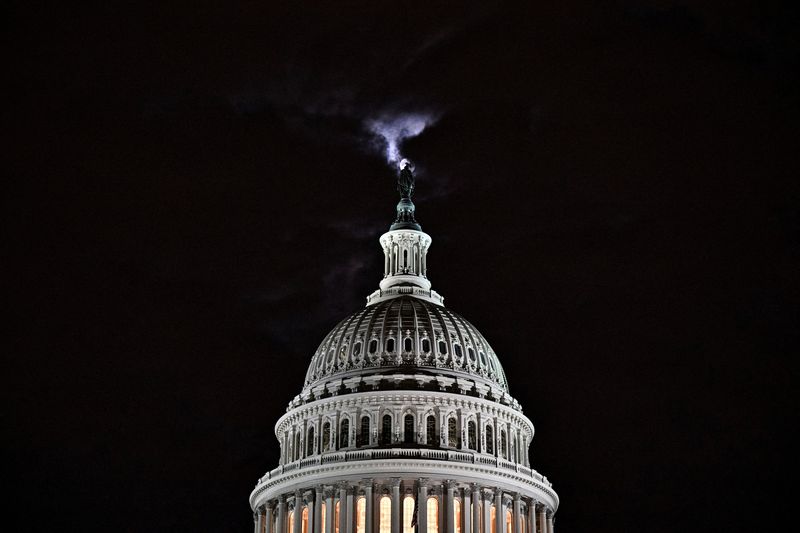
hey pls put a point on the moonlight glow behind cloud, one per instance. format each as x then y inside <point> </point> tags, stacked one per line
<point>394,129</point>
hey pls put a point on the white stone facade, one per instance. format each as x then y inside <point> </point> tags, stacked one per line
<point>405,406</point>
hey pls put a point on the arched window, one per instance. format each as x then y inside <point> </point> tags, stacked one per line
<point>509,528</point>
<point>322,518</point>
<point>364,436</point>
<point>385,509</point>
<point>344,434</point>
<point>471,354</point>
<point>304,527</point>
<point>326,436</point>
<point>433,515</point>
<point>336,517</point>
<point>426,345</point>
<point>442,347</point>
<point>408,514</point>
<point>489,440</point>
<point>361,515</point>
<point>503,445</point>
<point>493,520</point>
<point>472,435</point>
<point>297,446</point>
<point>457,348</point>
<point>408,429</point>
<point>310,441</point>
<point>373,346</point>
<point>390,345</point>
<point>386,430</point>
<point>408,344</point>
<point>457,515</point>
<point>357,349</point>
<point>430,431</point>
<point>452,433</point>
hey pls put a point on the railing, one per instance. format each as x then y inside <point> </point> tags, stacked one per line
<point>422,453</point>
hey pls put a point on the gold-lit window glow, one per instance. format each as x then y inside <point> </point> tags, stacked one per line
<point>408,514</point>
<point>457,515</point>
<point>361,515</point>
<point>324,523</point>
<point>336,518</point>
<point>304,529</point>
<point>385,515</point>
<point>433,515</point>
<point>493,520</point>
<point>509,522</point>
<point>290,528</point>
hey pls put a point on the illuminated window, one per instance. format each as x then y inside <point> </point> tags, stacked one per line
<point>433,515</point>
<point>310,441</point>
<point>290,521</point>
<point>364,436</point>
<point>305,520</point>
<point>386,430</point>
<point>385,515</point>
<point>324,523</point>
<point>489,440</point>
<point>472,435</point>
<point>408,429</point>
<point>361,515</point>
<point>457,515</point>
<point>344,434</point>
<point>430,430</point>
<point>493,520</point>
<point>408,514</point>
<point>326,436</point>
<point>452,433</point>
<point>509,529</point>
<point>335,518</point>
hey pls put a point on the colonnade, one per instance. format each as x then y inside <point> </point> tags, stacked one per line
<point>390,506</point>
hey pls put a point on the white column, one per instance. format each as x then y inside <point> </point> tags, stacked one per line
<point>448,511</point>
<point>329,510</point>
<point>542,519</point>
<point>531,517</point>
<point>267,519</point>
<point>281,525</point>
<point>476,509</point>
<point>499,515</point>
<point>466,512</point>
<point>422,506</point>
<point>368,508</point>
<point>298,512</point>
<point>258,520</point>
<point>317,510</point>
<point>487,512</point>
<point>550,524</point>
<point>517,515</point>
<point>350,510</point>
<point>342,508</point>
<point>396,511</point>
<point>310,503</point>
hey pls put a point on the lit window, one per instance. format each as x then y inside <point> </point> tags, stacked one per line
<point>361,515</point>
<point>408,429</point>
<point>385,515</point>
<point>305,520</point>
<point>430,426</point>
<point>452,433</point>
<point>509,529</point>
<point>433,515</point>
<point>408,514</point>
<point>335,518</point>
<point>344,434</point>
<point>493,520</point>
<point>324,523</point>
<point>290,521</point>
<point>457,515</point>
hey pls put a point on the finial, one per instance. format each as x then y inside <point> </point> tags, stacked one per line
<point>405,208</point>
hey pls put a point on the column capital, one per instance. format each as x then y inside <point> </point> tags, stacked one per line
<point>396,482</point>
<point>450,484</point>
<point>423,482</point>
<point>475,487</point>
<point>329,491</point>
<point>319,490</point>
<point>367,483</point>
<point>517,496</point>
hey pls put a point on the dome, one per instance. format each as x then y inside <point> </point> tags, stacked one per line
<point>409,336</point>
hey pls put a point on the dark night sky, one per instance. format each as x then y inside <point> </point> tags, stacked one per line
<point>193,201</point>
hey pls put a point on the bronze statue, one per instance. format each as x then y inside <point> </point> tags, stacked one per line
<point>405,180</point>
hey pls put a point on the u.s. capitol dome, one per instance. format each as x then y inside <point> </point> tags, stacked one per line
<point>404,423</point>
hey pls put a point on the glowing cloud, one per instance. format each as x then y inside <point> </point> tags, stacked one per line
<point>394,129</point>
